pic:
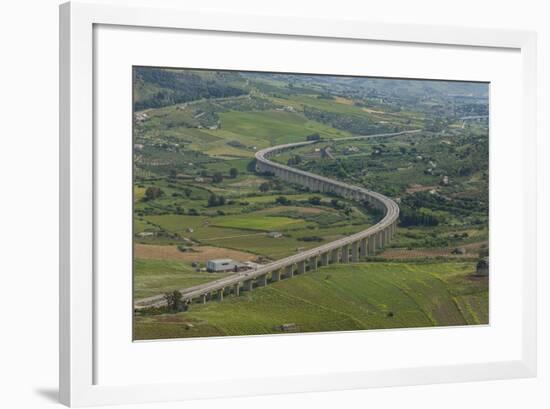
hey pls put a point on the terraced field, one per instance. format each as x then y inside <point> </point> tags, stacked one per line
<point>339,297</point>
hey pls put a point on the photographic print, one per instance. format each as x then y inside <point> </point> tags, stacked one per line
<point>279,203</point>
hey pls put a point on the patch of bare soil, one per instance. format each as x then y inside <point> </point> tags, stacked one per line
<point>420,188</point>
<point>373,111</point>
<point>344,101</point>
<point>199,253</point>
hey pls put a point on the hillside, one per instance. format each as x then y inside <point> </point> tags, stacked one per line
<point>339,297</point>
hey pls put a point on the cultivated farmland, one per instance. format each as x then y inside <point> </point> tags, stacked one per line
<point>198,196</point>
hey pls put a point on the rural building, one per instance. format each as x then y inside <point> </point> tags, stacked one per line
<point>275,234</point>
<point>221,264</point>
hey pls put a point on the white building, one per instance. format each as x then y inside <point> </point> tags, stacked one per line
<point>221,264</point>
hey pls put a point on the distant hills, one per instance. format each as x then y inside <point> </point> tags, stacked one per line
<point>157,87</point>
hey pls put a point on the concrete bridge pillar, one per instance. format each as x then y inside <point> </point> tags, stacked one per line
<point>262,281</point>
<point>355,252</point>
<point>301,267</point>
<point>236,289</point>
<point>334,256</point>
<point>364,248</point>
<point>324,259</point>
<point>203,299</point>
<point>248,285</point>
<point>275,275</point>
<point>345,254</point>
<point>379,242</point>
<point>372,244</point>
<point>313,263</point>
<point>290,271</point>
<point>220,293</point>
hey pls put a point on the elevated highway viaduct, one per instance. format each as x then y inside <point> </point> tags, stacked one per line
<point>352,248</point>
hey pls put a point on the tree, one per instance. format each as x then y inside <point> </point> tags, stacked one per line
<point>187,192</point>
<point>264,187</point>
<point>282,200</point>
<point>174,301</point>
<point>212,200</point>
<point>315,200</point>
<point>313,137</point>
<point>217,177</point>
<point>153,192</point>
<point>294,160</point>
<point>348,211</point>
<point>233,172</point>
<point>173,175</point>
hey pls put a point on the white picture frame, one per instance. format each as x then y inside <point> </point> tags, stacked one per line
<point>78,386</point>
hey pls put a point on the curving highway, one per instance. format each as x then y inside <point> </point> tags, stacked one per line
<point>351,248</point>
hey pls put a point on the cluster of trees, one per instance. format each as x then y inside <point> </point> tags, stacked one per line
<point>418,217</point>
<point>421,209</point>
<point>174,301</point>
<point>472,109</point>
<point>314,200</point>
<point>310,239</point>
<point>282,200</point>
<point>216,200</point>
<point>152,193</point>
<point>313,137</point>
<point>217,177</point>
<point>270,185</point>
<point>435,124</point>
<point>174,87</point>
<point>294,160</point>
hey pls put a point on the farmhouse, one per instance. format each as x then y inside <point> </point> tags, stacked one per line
<point>275,234</point>
<point>221,264</point>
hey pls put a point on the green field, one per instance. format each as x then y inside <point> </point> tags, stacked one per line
<point>341,297</point>
<point>275,128</point>
<point>152,277</point>
<point>261,222</point>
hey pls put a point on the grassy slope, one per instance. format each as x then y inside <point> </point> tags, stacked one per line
<point>340,297</point>
<point>154,277</point>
